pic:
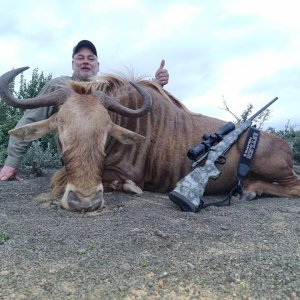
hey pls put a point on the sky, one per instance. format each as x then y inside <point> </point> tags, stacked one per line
<point>241,51</point>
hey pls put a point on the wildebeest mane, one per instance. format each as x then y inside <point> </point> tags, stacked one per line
<point>109,83</point>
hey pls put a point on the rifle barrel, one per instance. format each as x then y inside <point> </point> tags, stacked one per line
<point>262,109</point>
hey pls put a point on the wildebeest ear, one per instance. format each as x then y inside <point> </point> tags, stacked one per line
<point>33,131</point>
<point>124,135</point>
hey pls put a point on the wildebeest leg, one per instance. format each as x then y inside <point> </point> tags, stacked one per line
<point>58,185</point>
<point>285,188</point>
<point>59,182</point>
<point>128,186</point>
<point>123,177</point>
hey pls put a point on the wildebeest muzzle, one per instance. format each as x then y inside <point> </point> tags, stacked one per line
<point>78,205</point>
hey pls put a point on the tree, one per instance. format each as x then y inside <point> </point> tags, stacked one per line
<point>292,136</point>
<point>259,120</point>
<point>289,134</point>
<point>34,86</point>
<point>9,116</point>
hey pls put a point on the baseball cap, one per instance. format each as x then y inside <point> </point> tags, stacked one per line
<point>84,44</point>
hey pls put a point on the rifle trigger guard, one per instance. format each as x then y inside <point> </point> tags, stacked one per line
<point>221,160</point>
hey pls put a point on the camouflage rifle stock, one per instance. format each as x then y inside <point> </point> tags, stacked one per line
<point>189,191</point>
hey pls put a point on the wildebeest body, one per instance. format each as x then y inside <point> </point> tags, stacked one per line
<point>106,150</point>
<point>170,130</point>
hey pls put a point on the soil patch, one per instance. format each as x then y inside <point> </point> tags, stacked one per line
<point>144,247</point>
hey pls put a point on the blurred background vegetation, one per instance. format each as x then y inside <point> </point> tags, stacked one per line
<point>289,133</point>
<point>44,151</point>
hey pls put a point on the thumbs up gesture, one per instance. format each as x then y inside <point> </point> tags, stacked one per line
<point>162,75</point>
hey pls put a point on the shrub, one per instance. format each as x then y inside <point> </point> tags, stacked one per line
<point>43,156</point>
<point>292,136</point>
<point>42,151</point>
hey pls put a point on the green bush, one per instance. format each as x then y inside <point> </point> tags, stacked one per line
<point>3,154</point>
<point>45,147</point>
<point>44,156</point>
<point>292,136</point>
<point>289,133</point>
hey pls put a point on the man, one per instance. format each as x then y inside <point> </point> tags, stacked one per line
<point>85,67</point>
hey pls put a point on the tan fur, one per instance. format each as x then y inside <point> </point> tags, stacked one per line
<point>92,156</point>
<point>82,128</point>
<point>170,130</point>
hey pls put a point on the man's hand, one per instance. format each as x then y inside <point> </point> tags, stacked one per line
<point>162,75</point>
<point>9,173</point>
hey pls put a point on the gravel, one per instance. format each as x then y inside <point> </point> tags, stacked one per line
<point>144,247</point>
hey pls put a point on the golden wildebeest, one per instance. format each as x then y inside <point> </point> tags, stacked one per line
<point>112,137</point>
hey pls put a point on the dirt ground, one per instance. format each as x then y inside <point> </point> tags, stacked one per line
<point>144,247</point>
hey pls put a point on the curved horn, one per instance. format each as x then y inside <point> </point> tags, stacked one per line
<point>115,106</point>
<point>55,98</point>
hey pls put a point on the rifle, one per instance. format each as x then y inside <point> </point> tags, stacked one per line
<point>188,193</point>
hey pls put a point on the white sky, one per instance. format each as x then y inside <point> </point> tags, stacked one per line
<point>238,50</point>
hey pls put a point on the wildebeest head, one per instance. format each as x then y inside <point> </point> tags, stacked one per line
<point>82,125</point>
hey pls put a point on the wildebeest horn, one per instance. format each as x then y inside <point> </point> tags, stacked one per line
<point>115,106</point>
<point>55,98</point>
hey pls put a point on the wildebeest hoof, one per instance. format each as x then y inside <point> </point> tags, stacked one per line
<point>114,186</point>
<point>130,187</point>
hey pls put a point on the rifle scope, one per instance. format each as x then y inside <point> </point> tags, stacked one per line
<point>197,151</point>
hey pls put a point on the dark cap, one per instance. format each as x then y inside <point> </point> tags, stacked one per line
<point>84,44</point>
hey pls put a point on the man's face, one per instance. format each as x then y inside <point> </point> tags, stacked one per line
<point>85,64</point>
